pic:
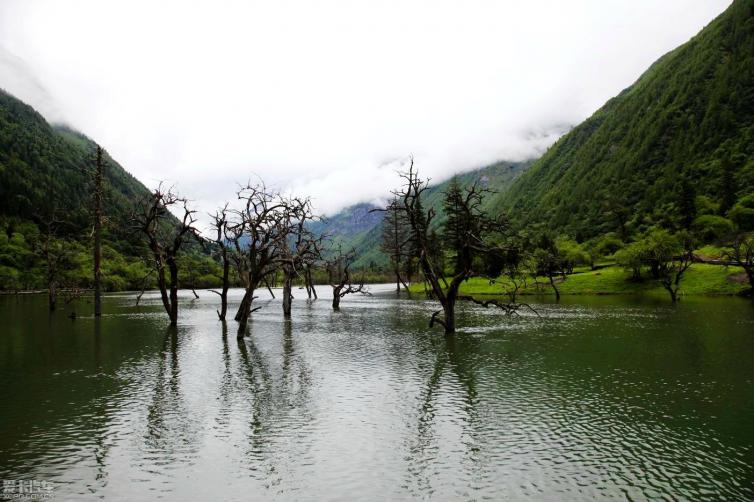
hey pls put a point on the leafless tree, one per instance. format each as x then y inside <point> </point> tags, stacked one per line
<point>259,224</point>
<point>165,235</point>
<point>470,227</point>
<point>311,291</point>
<point>224,237</point>
<point>396,243</point>
<point>56,256</point>
<point>300,246</point>
<point>339,276</point>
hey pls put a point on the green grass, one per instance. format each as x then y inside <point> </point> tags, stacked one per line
<point>700,279</point>
<point>711,252</point>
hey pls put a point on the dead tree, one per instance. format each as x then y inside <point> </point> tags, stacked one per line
<point>470,228</point>
<point>309,280</point>
<point>97,202</point>
<point>339,276</point>
<point>300,246</point>
<point>165,235</point>
<point>396,242</point>
<point>259,224</point>
<point>223,235</point>
<point>741,253</point>
<point>56,257</point>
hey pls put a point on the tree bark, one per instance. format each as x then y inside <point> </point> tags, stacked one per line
<point>336,298</point>
<point>554,288</point>
<point>287,294</point>
<point>173,313</point>
<point>245,310</point>
<point>245,303</point>
<point>52,296</point>
<point>310,283</point>
<point>449,311</point>
<point>224,292</point>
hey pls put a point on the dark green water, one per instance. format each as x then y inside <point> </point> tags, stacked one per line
<point>598,398</point>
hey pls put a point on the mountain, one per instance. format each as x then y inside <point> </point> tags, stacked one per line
<point>46,170</point>
<point>350,223</point>
<point>45,174</point>
<point>358,228</point>
<point>686,126</point>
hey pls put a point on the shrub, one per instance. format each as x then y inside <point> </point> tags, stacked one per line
<point>632,258</point>
<point>709,227</point>
<point>705,205</point>
<point>743,212</point>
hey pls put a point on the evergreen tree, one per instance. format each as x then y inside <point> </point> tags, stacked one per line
<point>396,242</point>
<point>727,184</point>
<point>686,203</point>
<point>456,222</point>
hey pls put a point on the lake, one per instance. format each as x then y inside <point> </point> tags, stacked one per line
<point>597,397</point>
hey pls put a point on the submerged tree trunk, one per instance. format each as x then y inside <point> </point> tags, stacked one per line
<point>449,311</point>
<point>245,303</point>
<point>52,296</point>
<point>336,298</point>
<point>245,310</point>
<point>173,313</point>
<point>269,288</point>
<point>287,294</point>
<point>310,291</point>
<point>224,292</point>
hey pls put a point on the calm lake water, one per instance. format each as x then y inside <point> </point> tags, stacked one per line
<point>600,397</point>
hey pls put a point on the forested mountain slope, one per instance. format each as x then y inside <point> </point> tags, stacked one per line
<point>46,172</point>
<point>45,195</point>
<point>366,239</point>
<point>686,125</point>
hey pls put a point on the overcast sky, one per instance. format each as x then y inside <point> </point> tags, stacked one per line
<point>323,97</point>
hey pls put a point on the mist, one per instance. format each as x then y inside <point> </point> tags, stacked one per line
<point>326,98</point>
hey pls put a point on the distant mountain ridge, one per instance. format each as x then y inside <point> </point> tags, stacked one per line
<point>357,228</point>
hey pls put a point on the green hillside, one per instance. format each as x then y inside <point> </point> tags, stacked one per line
<point>46,175</point>
<point>46,170</point>
<point>685,129</point>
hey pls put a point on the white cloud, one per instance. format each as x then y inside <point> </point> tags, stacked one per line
<point>318,95</point>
